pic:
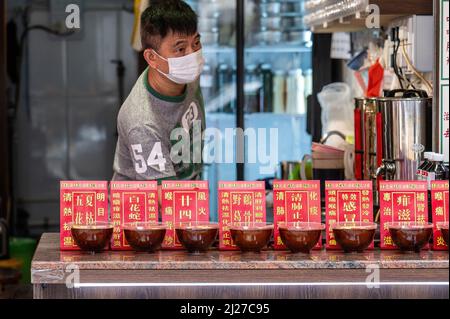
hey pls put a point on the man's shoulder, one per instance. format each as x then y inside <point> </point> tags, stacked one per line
<point>134,111</point>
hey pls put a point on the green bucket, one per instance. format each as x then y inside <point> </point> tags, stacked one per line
<point>23,249</point>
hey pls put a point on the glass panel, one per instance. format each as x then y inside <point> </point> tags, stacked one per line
<point>277,83</point>
<point>218,82</point>
<point>278,80</point>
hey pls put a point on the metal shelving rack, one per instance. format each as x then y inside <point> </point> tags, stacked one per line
<point>327,16</point>
<point>259,49</point>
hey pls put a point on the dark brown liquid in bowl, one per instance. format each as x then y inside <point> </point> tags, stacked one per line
<point>251,240</point>
<point>412,239</point>
<point>354,239</point>
<point>92,239</point>
<point>300,240</point>
<point>444,232</point>
<point>197,239</point>
<point>145,239</point>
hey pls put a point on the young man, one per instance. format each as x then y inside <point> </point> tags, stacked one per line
<point>165,100</point>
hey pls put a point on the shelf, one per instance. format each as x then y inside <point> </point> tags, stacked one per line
<point>353,24</point>
<point>291,14</point>
<point>278,49</point>
<point>218,49</point>
<point>389,11</point>
<point>259,49</point>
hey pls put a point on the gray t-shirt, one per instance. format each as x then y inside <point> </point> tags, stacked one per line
<point>145,123</point>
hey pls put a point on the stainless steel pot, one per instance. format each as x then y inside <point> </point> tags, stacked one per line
<point>406,132</point>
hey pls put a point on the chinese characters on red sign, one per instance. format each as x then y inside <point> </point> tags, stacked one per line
<point>81,203</point>
<point>347,201</point>
<point>183,201</point>
<point>295,201</point>
<point>239,202</point>
<point>401,201</point>
<point>439,204</point>
<point>132,202</point>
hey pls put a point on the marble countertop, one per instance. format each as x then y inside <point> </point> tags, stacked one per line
<point>49,257</point>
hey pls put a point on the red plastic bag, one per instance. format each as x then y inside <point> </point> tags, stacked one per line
<point>376,73</point>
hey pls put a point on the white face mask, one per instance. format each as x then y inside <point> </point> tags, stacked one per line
<point>185,69</point>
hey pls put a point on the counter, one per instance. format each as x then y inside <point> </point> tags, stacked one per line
<point>221,274</point>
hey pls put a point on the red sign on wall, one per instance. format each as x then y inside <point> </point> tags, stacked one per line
<point>401,201</point>
<point>295,201</point>
<point>239,202</point>
<point>439,204</point>
<point>132,202</point>
<point>82,203</point>
<point>183,201</point>
<point>347,201</point>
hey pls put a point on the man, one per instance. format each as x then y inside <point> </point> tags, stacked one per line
<point>165,99</point>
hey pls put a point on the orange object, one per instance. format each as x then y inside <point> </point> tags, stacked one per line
<point>376,73</point>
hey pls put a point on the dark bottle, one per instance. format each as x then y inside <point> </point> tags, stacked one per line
<point>252,87</point>
<point>439,172</point>
<point>428,170</point>
<point>266,91</point>
<point>420,170</point>
<point>223,83</point>
<point>435,172</point>
<point>446,166</point>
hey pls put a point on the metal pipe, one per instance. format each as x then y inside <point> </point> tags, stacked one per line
<point>240,100</point>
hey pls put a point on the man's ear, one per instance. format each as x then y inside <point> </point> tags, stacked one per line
<point>150,58</point>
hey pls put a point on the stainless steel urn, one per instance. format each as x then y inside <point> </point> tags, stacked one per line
<point>406,129</point>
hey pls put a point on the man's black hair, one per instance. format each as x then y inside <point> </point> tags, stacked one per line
<point>163,17</point>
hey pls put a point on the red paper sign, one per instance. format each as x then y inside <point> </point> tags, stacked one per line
<point>439,204</point>
<point>183,201</point>
<point>83,203</point>
<point>132,202</point>
<point>295,201</point>
<point>347,201</point>
<point>401,201</point>
<point>239,202</point>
